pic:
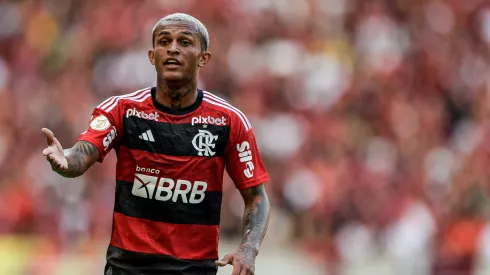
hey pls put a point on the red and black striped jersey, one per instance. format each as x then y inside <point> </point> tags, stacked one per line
<point>169,176</point>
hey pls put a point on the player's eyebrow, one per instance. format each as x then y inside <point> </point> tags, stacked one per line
<point>163,33</point>
<point>168,33</point>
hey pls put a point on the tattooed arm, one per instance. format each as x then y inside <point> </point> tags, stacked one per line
<point>256,217</point>
<point>79,158</point>
<point>69,163</point>
<point>255,222</point>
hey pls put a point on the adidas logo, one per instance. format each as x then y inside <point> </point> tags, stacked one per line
<point>148,136</point>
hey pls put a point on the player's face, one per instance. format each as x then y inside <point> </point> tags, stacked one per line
<point>177,54</point>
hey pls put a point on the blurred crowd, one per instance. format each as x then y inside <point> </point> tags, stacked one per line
<point>372,117</point>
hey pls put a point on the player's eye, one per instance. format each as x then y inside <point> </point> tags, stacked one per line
<point>185,42</point>
<point>164,42</point>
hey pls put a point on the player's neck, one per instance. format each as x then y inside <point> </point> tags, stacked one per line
<point>176,96</point>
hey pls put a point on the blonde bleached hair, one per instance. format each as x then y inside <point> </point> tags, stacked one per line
<point>182,17</point>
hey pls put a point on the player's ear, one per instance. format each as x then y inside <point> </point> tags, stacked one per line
<point>204,58</point>
<point>151,56</point>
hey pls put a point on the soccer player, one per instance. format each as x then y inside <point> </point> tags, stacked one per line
<point>173,143</point>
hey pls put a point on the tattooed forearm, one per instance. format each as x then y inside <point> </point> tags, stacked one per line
<point>255,219</point>
<point>80,157</point>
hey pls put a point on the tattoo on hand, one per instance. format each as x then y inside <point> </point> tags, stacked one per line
<point>247,256</point>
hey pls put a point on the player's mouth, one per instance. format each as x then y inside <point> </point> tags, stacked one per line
<point>171,63</point>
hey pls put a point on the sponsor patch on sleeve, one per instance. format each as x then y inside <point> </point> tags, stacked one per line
<point>100,123</point>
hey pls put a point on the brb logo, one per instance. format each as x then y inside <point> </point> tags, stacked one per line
<point>245,156</point>
<point>134,112</point>
<point>110,138</point>
<point>164,189</point>
<point>203,142</point>
<point>209,120</point>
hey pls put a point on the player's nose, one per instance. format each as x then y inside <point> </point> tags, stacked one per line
<point>173,48</point>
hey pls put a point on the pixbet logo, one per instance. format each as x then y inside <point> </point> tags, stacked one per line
<point>136,113</point>
<point>209,120</point>
<point>110,138</point>
<point>245,155</point>
<point>165,189</point>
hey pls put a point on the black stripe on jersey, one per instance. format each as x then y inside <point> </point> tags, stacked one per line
<point>206,212</point>
<point>124,262</point>
<point>175,139</point>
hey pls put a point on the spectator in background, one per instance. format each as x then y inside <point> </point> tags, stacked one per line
<point>371,116</point>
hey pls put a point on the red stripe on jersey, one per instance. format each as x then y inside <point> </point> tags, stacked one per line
<point>136,96</point>
<point>139,98</point>
<point>111,99</point>
<point>182,241</point>
<point>226,107</point>
<point>209,170</point>
<point>213,99</point>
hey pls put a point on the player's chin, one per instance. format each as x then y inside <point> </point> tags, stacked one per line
<point>173,76</point>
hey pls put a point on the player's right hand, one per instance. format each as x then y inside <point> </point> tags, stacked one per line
<point>54,152</point>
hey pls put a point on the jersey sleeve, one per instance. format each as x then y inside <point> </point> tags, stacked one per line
<point>104,129</point>
<point>243,161</point>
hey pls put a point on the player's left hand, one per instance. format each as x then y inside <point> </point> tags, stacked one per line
<point>243,261</point>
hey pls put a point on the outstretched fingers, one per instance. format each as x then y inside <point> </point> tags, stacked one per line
<point>227,259</point>
<point>49,136</point>
<point>52,142</point>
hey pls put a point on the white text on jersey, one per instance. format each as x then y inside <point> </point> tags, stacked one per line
<point>109,138</point>
<point>136,113</point>
<point>245,155</point>
<point>209,120</point>
<point>147,170</point>
<point>165,189</point>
